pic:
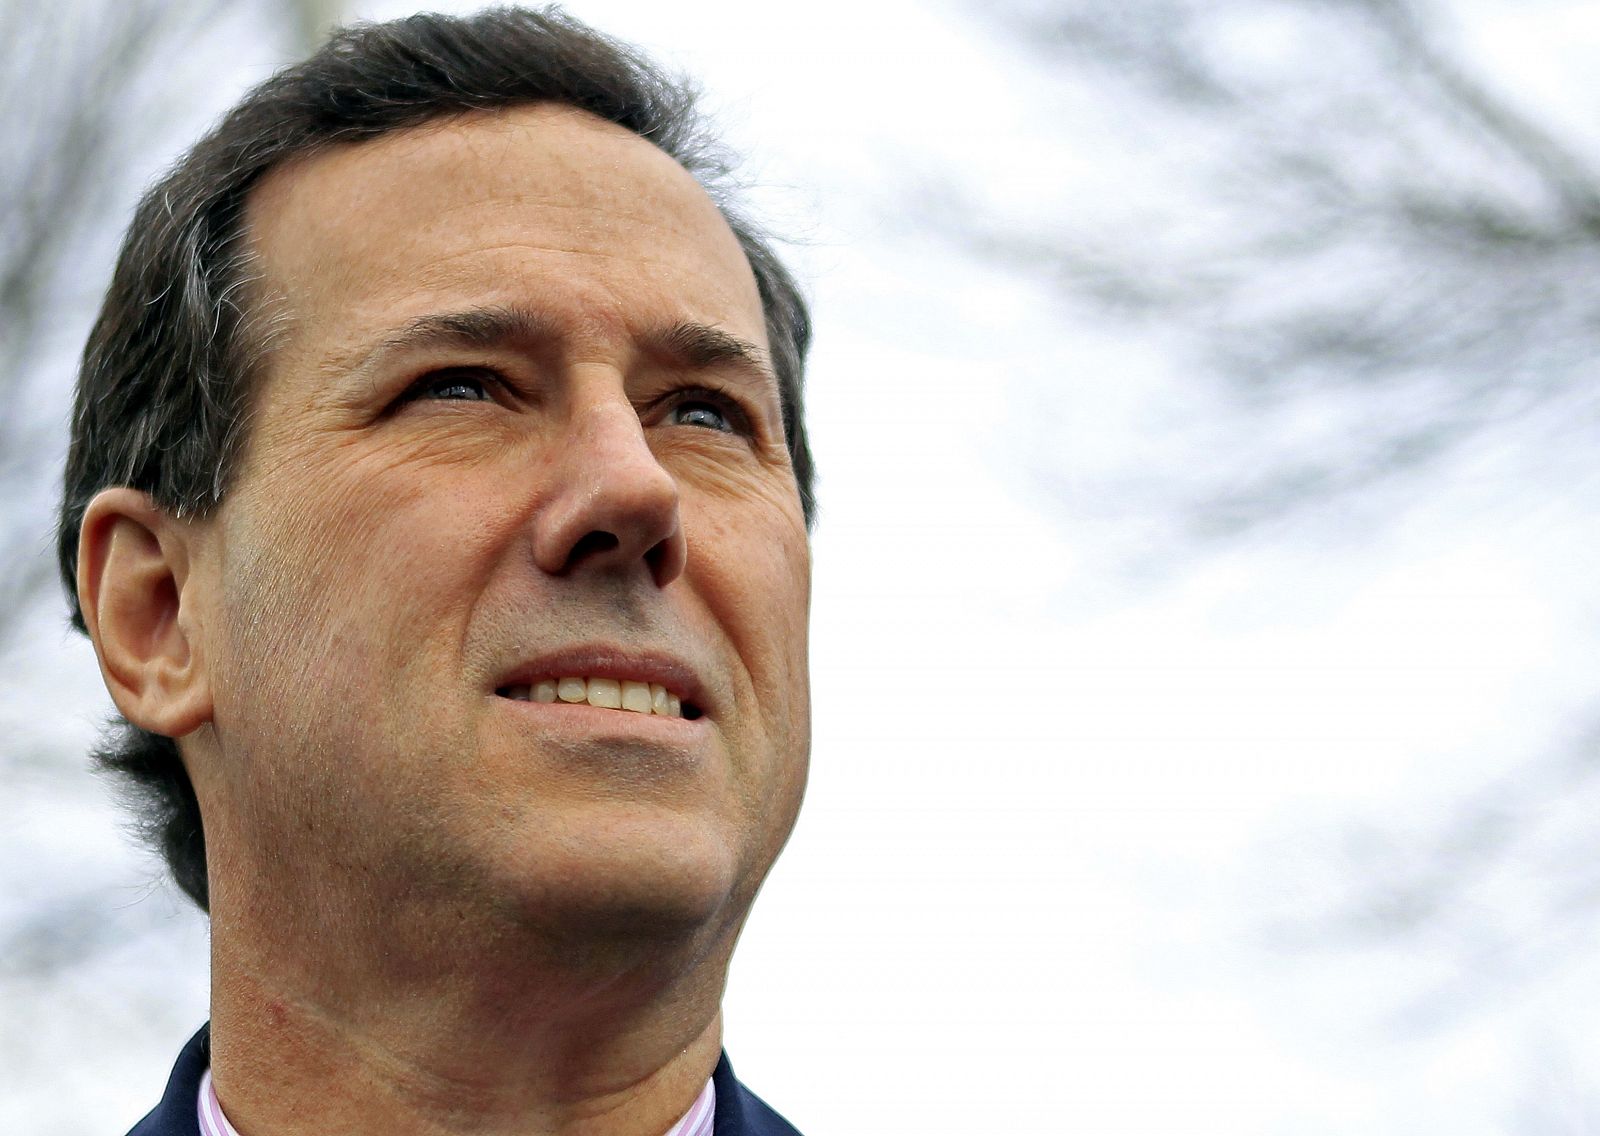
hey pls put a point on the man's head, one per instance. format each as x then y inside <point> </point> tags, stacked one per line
<point>435,376</point>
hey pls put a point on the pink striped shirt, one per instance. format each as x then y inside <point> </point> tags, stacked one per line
<point>696,1122</point>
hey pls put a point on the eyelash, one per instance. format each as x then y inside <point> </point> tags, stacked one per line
<point>733,412</point>
<point>433,380</point>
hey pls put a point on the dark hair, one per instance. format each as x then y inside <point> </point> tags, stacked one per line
<point>165,379</point>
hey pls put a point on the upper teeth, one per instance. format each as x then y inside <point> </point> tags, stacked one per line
<point>611,693</point>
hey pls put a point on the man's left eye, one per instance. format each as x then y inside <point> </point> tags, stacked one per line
<point>700,412</point>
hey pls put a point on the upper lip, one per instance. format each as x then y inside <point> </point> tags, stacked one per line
<point>606,661</point>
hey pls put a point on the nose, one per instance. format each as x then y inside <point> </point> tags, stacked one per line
<point>614,507</point>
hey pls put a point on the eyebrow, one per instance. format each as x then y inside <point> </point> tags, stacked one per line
<point>686,344</point>
<point>699,346</point>
<point>471,327</point>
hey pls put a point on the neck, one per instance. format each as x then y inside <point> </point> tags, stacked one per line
<point>514,1039</point>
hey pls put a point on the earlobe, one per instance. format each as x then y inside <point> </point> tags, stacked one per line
<point>134,562</point>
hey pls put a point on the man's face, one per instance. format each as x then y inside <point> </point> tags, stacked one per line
<point>516,428</point>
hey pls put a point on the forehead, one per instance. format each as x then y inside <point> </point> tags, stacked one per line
<point>541,206</point>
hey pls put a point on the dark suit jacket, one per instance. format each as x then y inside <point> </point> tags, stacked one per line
<point>739,1111</point>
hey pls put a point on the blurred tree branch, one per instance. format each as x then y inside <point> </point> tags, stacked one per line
<point>1379,263</point>
<point>94,88</point>
<point>1379,258</point>
<point>71,72</point>
<point>90,84</point>
<point>1501,880</point>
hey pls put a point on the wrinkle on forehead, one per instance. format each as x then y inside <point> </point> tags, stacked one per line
<point>543,157</point>
<point>470,201</point>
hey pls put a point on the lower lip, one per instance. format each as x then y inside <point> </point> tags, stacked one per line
<point>599,719</point>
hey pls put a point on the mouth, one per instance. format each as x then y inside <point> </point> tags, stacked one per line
<point>626,680</point>
<point>624,695</point>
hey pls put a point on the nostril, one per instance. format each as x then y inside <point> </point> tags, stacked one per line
<point>591,544</point>
<point>657,556</point>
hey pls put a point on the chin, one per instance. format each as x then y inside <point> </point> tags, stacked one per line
<point>676,884</point>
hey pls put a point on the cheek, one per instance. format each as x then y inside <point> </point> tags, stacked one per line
<point>373,535</point>
<point>351,585</point>
<point>774,589</point>
<point>341,611</point>
<point>753,571</point>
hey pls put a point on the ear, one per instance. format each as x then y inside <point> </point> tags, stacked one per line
<point>137,598</point>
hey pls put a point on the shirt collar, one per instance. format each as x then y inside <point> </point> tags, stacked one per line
<point>697,1121</point>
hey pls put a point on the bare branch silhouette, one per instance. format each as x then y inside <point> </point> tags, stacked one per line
<point>1379,258</point>
<point>92,88</point>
